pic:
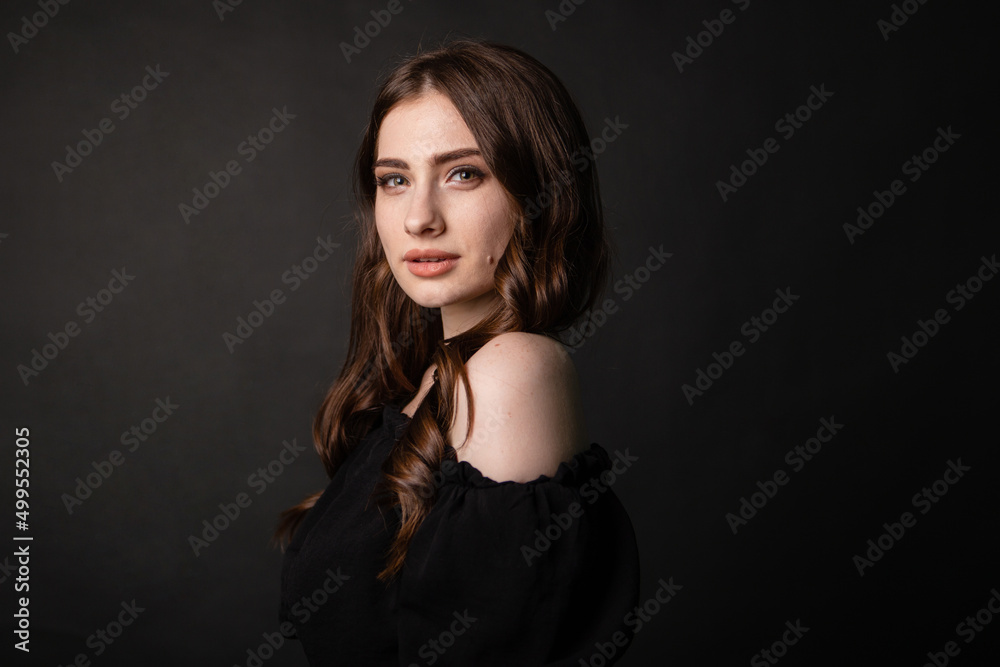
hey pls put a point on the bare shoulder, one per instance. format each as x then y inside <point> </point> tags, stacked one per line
<point>528,417</point>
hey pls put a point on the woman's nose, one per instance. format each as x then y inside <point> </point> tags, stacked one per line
<point>423,212</point>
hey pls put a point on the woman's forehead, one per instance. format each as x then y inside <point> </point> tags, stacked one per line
<point>418,128</point>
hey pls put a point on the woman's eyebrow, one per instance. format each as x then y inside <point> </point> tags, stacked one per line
<point>437,159</point>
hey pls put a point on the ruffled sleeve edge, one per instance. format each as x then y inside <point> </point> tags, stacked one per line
<point>582,467</point>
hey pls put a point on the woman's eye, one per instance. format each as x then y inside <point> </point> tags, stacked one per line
<point>467,174</point>
<point>390,180</point>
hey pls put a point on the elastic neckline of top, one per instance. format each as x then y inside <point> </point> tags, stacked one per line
<point>584,466</point>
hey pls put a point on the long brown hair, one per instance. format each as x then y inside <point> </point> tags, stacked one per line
<point>555,267</point>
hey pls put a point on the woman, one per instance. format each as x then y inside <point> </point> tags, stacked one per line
<point>444,538</point>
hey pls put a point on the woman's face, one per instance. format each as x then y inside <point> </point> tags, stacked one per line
<point>434,193</point>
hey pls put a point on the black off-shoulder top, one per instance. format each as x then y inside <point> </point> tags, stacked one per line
<point>499,573</point>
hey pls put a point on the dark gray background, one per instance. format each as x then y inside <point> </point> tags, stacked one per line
<point>162,336</point>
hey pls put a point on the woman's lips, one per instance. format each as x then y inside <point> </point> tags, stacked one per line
<point>426,269</point>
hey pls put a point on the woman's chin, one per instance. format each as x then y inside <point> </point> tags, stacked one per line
<point>427,300</point>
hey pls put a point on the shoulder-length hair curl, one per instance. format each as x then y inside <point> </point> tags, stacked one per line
<point>555,267</point>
